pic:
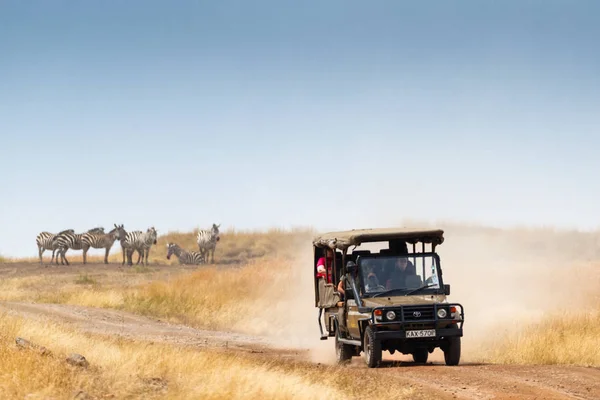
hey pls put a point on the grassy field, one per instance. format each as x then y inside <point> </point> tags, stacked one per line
<point>570,339</point>
<point>262,277</point>
<point>125,369</point>
<point>209,298</point>
<point>252,270</point>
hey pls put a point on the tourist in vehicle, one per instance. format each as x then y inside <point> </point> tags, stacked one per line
<point>372,284</point>
<point>341,287</point>
<point>327,263</point>
<point>373,272</point>
<point>321,272</point>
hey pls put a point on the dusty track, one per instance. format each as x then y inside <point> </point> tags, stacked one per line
<point>434,380</point>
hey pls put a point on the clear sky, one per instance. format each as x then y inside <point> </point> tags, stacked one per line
<point>333,114</point>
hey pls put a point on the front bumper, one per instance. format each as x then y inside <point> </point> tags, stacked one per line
<point>417,318</point>
<point>401,334</point>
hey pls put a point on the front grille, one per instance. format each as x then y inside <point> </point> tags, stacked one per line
<point>418,313</point>
<point>412,325</point>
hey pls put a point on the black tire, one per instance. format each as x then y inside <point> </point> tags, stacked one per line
<point>371,349</point>
<point>420,356</point>
<point>343,352</point>
<point>452,351</point>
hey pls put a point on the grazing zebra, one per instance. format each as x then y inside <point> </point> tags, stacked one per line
<point>185,257</point>
<point>207,242</point>
<point>102,240</point>
<point>138,241</point>
<point>45,241</point>
<point>69,240</point>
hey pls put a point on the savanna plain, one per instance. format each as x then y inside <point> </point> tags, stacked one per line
<point>246,326</point>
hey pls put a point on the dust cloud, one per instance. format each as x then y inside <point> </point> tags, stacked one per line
<point>507,278</point>
<point>504,278</point>
<point>290,318</point>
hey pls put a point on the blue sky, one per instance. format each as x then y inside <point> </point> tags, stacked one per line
<point>332,114</point>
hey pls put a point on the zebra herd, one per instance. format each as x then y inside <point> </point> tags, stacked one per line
<point>97,238</point>
<point>134,241</point>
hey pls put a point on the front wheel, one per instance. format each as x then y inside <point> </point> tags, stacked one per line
<point>420,356</point>
<point>372,349</point>
<point>452,351</point>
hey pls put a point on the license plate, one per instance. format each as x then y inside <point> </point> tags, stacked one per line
<point>420,334</point>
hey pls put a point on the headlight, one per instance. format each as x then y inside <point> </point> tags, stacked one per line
<point>442,313</point>
<point>390,315</point>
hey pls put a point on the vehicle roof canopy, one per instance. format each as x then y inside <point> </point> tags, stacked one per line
<point>344,239</point>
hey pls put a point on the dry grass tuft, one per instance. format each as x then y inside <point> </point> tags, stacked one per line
<point>212,298</point>
<point>563,338</point>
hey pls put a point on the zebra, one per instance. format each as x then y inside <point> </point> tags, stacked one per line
<point>69,240</point>
<point>101,241</point>
<point>45,241</point>
<point>138,241</point>
<point>185,257</point>
<point>127,242</point>
<point>207,242</point>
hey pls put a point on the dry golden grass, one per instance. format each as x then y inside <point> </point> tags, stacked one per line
<point>212,297</point>
<point>124,369</point>
<point>563,338</point>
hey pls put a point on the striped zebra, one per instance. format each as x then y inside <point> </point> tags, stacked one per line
<point>45,241</point>
<point>185,257</point>
<point>207,242</point>
<point>102,240</point>
<point>138,241</point>
<point>69,240</point>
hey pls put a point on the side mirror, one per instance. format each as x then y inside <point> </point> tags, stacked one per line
<point>447,290</point>
<point>351,267</point>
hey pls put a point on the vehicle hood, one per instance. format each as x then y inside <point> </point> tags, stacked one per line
<point>404,300</point>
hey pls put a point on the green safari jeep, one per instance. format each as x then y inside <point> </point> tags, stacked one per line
<point>389,299</point>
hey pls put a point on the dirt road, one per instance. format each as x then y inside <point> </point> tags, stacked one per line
<point>467,381</point>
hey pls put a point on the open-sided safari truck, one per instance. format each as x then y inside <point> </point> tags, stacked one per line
<point>393,300</point>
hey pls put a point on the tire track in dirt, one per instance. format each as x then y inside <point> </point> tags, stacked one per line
<point>132,326</point>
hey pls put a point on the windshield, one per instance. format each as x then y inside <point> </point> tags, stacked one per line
<point>398,273</point>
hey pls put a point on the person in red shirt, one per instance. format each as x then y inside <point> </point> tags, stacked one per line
<point>321,272</point>
<point>327,262</point>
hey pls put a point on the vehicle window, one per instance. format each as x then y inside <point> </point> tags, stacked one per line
<point>398,273</point>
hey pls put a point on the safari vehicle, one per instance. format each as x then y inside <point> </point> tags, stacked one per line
<point>393,300</point>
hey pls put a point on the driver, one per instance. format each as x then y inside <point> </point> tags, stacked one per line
<point>401,269</point>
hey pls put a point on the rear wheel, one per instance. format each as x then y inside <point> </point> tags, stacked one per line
<point>420,356</point>
<point>372,349</point>
<point>343,352</point>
